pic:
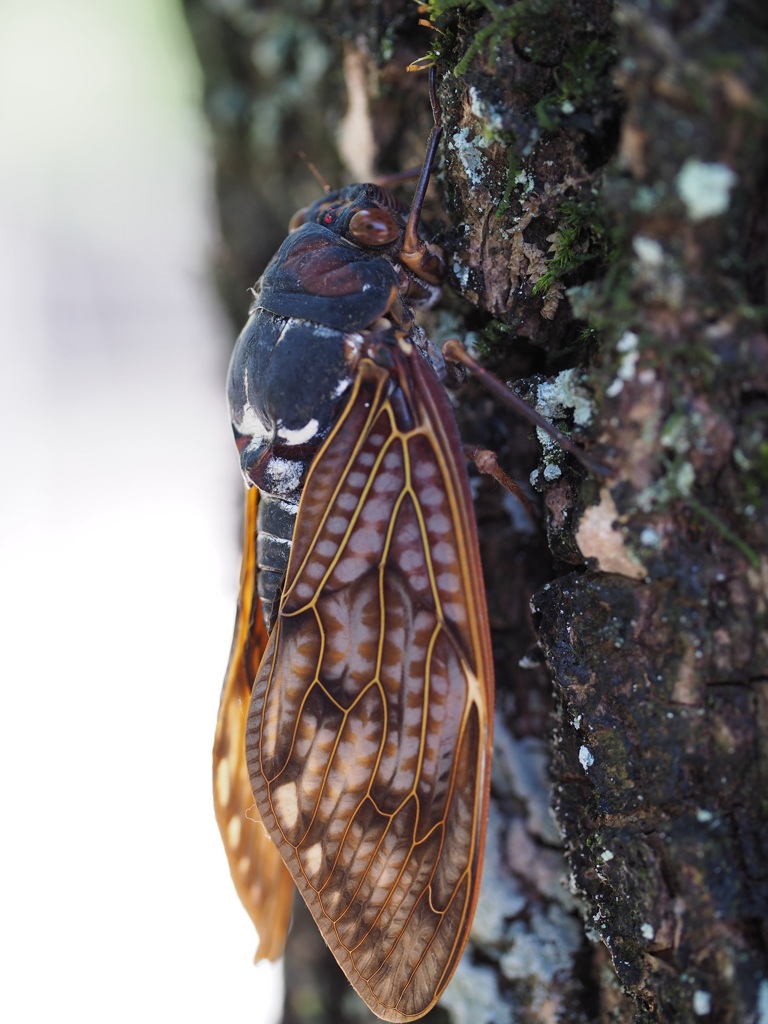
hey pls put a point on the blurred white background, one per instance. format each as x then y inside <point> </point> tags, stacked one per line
<point>118,560</point>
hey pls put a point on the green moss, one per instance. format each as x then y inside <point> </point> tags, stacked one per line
<point>751,456</point>
<point>534,17</point>
<point>587,336</point>
<point>437,8</point>
<point>505,21</point>
<point>725,532</point>
<point>495,337</point>
<point>579,82</point>
<point>503,24</point>
<point>761,463</point>
<point>579,239</point>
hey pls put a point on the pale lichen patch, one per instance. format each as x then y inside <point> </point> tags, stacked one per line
<point>468,148</point>
<point>473,994</point>
<point>648,251</point>
<point>705,188</point>
<point>541,952</point>
<point>702,1003</point>
<point>489,116</point>
<point>565,392</point>
<point>586,757</point>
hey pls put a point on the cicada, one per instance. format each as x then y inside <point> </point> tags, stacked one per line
<point>368,654</point>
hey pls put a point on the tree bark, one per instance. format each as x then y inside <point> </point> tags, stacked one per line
<point>604,210</point>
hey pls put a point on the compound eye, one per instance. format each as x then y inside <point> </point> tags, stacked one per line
<point>373,227</point>
<point>299,218</point>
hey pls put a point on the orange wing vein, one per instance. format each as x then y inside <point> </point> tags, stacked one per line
<point>369,733</point>
<point>261,879</point>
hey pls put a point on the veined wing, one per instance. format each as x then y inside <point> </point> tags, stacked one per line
<point>261,879</point>
<point>369,734</point>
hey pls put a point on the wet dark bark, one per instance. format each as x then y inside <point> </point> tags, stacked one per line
<point>604,205</point>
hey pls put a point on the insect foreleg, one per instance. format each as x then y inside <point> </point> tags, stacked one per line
<point>422,258</point>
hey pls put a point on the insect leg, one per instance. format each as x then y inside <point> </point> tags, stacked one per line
<point>487,462</point>
<point>422,258</point>
<point>455,352</point>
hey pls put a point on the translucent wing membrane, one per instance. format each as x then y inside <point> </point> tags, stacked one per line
<point>261,879</point>
<point>369,734</point>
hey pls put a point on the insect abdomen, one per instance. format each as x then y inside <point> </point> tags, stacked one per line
<point>276,518</point>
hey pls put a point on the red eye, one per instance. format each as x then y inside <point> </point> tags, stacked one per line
<point>373,227</point>
<point>299,218</point>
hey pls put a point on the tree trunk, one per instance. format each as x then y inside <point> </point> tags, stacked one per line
<point>604,208</point>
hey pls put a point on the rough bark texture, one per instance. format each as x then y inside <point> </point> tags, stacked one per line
<point>604,205</point>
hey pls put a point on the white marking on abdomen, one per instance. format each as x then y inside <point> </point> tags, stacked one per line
<point>300,436</point>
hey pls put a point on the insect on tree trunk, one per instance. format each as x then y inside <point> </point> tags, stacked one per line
<point>603,207</point>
